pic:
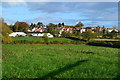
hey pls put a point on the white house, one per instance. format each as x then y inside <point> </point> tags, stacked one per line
<point>50,35</point>
<point>82,30</point>
<point>42,34</point>
<point>34,29</point>
<point>109,29</point>
<point>34,34</point>
<point>17,34</point>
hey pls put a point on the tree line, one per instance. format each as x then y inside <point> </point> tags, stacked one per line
<point>55,30</point>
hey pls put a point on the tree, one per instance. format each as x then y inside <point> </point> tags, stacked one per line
<point>88,35</point>
<point>11,26</point>
<point>76,33</point>
<point>20,26</point>
<point>45,37</point>
<point>59,25</point>
<point>104,31</point>
<point>34,25</point>
<point>31,25</point>
<point>68,26</point>
<point>99,34</point>
<point>63,24</point>
<point>5,32</point>
<point>56,32</point>
<point>63,34</point>
<point>40,24</point>
<point>80,25</point>
<point>51,28</point>
<point>113,34</point>
<point>68,34</point>
<point>106,35</point>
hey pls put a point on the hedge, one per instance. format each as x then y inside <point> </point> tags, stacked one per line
<point>52,42</point>
<point>115,44</point>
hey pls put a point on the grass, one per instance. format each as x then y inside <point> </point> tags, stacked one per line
<point>40,39</point>
<point>59,61</point>
<point>106,39</point>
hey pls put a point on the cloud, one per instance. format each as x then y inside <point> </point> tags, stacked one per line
<point>93,11</point>
<point>68,6</point>
<point>69,12</point>
<point>13,3</point>
<point>61,0</point>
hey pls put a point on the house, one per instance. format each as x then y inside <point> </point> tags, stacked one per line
<point>109,29</point>
<point>89,28</point>
<point>42,34</point>
<point>116,30</point>
<point>34,29</point>
<point>50,35</point>
<point>34,34</point>
<point>37,34</point>
<point>94,29</point>
<point>14,34</point>
<point>66,30</point>
<point>82,30</point>
<point>39,30</point>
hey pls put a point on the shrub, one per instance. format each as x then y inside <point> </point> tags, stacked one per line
<point>106,44</point>
<point>45,37</point>
<point>88,35</point>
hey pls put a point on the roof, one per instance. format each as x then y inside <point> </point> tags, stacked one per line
<point>40,29</point>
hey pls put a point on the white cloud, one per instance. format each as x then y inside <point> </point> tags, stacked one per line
<point>99,12</point>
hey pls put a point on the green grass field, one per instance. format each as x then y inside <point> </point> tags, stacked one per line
<point>59,61</point>
<point>40,39</point>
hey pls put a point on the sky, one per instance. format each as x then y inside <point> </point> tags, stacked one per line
<point>89,13</point>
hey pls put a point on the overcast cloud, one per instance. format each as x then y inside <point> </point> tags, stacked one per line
<point>91,13</point>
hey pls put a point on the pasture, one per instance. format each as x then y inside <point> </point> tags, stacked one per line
<point>59,61</point>
<point>39,39</point>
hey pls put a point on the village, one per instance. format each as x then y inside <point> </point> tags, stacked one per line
<point>41,30</point>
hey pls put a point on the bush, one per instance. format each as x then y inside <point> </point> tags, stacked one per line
<point>115,44</point>
<point>88,35</point>
<point>45,37</point>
